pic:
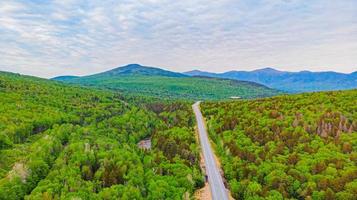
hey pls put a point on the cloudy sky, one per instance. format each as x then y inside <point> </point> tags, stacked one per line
<point>48,38</point>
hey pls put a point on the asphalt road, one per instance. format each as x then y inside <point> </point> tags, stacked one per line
<point>218,190</point>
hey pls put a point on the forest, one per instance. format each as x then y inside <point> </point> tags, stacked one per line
<point>66,142</point>
<point>287,147</point>
<point>60,141</point>
<point>177,88</point>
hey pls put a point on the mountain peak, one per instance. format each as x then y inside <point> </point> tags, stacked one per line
<point>133,65</point>
<point>137,69</point>
<point>267,70</point>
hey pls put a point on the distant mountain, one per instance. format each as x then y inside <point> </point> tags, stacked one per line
<point>136,69</point>
<point>64,78</point>
<point>199,73</point>
<point>128,70</point>
<point>354,74</point>
<point>150,81</point>
<point>304,81</point>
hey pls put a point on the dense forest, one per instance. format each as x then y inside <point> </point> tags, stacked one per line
<point>67,142</point>
<point>289,147</point>
<point>196,88</point>
<point>61,141</point>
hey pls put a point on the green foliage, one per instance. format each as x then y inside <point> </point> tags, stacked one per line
<point>297,147</point>
<point>191,88</point>
<point>65,142</point>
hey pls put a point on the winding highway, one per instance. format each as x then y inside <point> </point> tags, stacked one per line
<point>218,190</point>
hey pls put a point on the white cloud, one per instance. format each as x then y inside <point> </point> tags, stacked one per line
<point>81,37</point>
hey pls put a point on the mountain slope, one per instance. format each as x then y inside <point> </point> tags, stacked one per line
<point>149,81</point>
<point>65,142</point>
<point>287,147</point>
<point>136,69</point>
<point>304,81</point>
<point>65,78</point>
<point>199,73</point>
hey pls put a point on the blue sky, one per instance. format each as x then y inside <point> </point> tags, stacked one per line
<point>48,38</point>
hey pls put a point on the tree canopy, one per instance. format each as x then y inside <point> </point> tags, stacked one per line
<point>293,147</point>
<point>67,142</point>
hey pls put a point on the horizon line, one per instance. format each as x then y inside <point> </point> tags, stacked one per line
<point>193,69</point>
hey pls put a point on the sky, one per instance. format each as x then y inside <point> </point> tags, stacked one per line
<point>76,37</point>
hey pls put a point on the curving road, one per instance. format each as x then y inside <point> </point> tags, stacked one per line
<point>215,180</point>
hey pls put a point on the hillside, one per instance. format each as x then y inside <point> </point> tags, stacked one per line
<point>65,78</point>
<point>65,142</point>
<point>304,81</point>
<point>136,69</point>
<point>149,81</point>
<point>288,147</point>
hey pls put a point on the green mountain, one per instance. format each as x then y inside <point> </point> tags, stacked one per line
<point>136,69</point>
<point>288,147</point>
<point>66,142</point>
<point>150,81</point>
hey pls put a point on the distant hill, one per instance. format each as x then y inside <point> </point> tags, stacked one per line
<point>150,81</point>
<point>136,69</point>
<point>128,70</point>
<point>64,78</point>
<point>304,81</point>
<point>199,73</point>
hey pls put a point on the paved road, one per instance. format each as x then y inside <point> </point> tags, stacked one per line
<point>215,180</point>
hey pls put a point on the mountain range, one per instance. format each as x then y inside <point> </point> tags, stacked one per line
<point>152,81</point>
<point>303,81</point>
<point>292,82</point>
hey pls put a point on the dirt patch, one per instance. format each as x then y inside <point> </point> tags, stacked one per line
<point>145,144</point>
<point>204,193</point>
<point>19,170</point>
